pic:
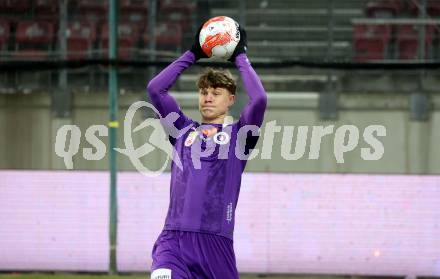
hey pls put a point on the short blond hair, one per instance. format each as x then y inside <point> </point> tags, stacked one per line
<point>217,78</point>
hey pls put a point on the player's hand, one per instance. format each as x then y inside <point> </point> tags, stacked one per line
<point>241,46</point>
<point>196,48</point>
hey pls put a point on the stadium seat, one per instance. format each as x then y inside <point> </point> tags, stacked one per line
<point>3,5</point>
<point>46,9</point>
<point>20,6</point>
<point>95,11</point>
<point>128,38</point>
<point>432,7</point>
<point>135,11</point>
<point>4,34</point>
<point>384,8</point>
<point>371,42</point>
<point>178,11</point>
<point>177,5</point>
<point>34,39</point>
<point>80,39</point>
<point>407,41</point>
<point>168,36</point>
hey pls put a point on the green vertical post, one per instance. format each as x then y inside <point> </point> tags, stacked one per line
<point>113,125</point>
<point>328,98</point>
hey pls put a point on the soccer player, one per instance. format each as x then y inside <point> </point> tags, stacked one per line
<point>197,239</point>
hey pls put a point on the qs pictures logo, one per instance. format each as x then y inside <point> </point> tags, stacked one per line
<point>345,139</point>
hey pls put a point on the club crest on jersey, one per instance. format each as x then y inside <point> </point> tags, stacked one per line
<point>191,138</point>
<point>221,138</point>
<point>209,132</point>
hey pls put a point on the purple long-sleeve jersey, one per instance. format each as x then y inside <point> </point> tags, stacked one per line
<point>203,196</point>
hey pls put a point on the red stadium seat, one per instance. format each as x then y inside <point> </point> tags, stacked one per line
<point>135,11</point>
<point>34,39</point>
<point>408,40</point>
<point>371,41</point>
<point>95,11</point>
<point>128,37</point>
<point>80,39</point>
<point>168,35</point>
<point>4,34</point>
<point>384,8</point>
<point>432,7</point>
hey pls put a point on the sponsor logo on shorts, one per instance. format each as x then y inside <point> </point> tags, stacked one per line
<point>161,273</point>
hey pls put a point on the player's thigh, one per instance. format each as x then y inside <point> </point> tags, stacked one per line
<point>221,258</point>
<point>212,256</point>
<point>167,262</point>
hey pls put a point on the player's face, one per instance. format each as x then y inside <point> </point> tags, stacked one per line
<point>214,103</point>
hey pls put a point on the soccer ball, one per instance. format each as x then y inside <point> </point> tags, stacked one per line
<point>219,37</point>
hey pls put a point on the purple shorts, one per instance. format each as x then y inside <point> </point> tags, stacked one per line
<point>193,255</point>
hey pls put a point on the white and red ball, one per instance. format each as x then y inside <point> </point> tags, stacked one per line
<point>219,37</point>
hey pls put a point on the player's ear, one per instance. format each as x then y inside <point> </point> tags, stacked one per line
<point>231,99</point>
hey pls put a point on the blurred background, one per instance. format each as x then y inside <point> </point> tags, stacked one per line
<point>323,63</point>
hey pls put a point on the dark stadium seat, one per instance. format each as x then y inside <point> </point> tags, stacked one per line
<point>4,34</point>
<point>432,7</point>
<point>46,9</point>
<point>92,10</point>
<point>177,11</point>
<point>177,6</point>
<point>135,11</point>
<point>168,36</point>
<point>3,6</point>
<point>371,42</point>
<point>34,39</point>
<point>407,41</point>
<point>80,39</point>
<point>128,38</point>
<point>21,6</point>
<point>384,8</point>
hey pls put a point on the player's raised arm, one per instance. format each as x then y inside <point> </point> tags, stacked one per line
<point>158,87</point>
<point>253,112</point>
